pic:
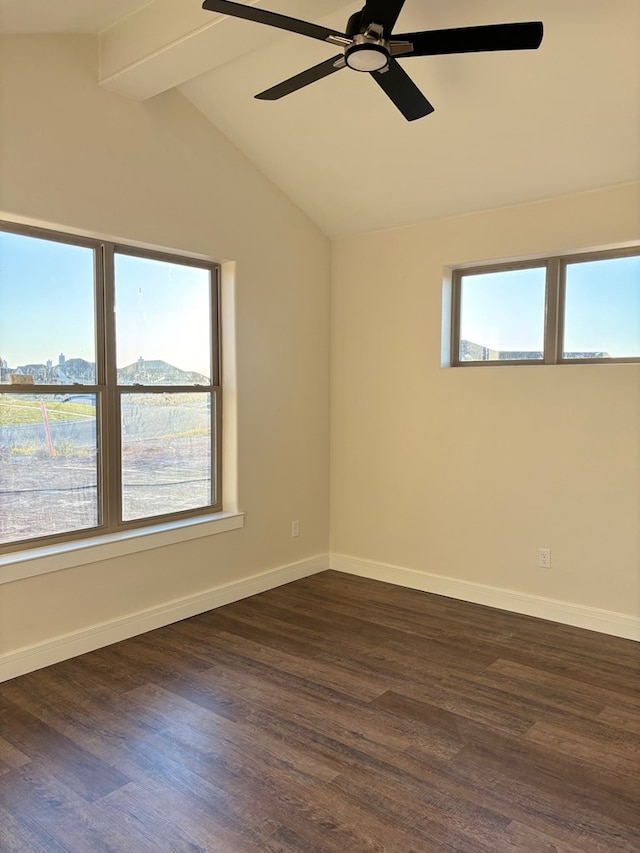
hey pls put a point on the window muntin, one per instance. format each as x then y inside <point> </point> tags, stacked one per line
<point>582,308</point>
<point>91,446</point>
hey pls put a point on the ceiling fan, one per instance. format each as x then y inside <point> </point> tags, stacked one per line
<point>368,45</point>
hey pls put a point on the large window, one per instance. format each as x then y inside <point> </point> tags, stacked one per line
<point>110,404</point>
<point>579,308</point>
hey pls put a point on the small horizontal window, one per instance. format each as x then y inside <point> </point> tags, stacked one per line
<point>581,308</point>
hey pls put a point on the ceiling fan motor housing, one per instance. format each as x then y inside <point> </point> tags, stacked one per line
<point>369,50</point>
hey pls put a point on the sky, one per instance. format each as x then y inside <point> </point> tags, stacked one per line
<point>47,306</point>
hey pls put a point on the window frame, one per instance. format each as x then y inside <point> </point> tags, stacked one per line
<point>554,315</point>
<point>108,393</point>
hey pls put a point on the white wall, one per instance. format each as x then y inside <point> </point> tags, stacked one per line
<point>84,159</point>
<point>466,473</point>
<point>461,473</point>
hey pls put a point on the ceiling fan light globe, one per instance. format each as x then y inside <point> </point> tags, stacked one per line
<point>366,57</point>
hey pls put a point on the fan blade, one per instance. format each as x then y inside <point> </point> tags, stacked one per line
<point>404,93</point>
<point>272,19</point>
<point>383,12</point>
<point>520,36</point>
<point>319,71</point>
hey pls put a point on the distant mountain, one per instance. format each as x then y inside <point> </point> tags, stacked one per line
<point>79,366</point>
<point>156,372</point>
<point>78,371</point>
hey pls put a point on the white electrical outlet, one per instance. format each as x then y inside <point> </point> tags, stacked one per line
<point>295,528</point>
<point>544,558</point>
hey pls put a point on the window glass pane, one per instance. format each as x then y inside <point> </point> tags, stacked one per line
<point>163,322</point>
<point>166,453</point>
<point>48,465</point>
<point>602,309</point>
<point>502,315</point>
<point>47,332</point>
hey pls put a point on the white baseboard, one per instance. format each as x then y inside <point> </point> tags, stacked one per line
<point>567,613</point>
<point>21,661</point>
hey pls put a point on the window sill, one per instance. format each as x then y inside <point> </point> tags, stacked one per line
<point>54,558</point>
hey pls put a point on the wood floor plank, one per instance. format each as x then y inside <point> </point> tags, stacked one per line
<point>364,688</point>
<point>619,718</point>
<point>598,813</point>
<point>62,820</point>
<point>436,820</point>
<point>10,757</point>
<point>600,746</point>
<point>180,814</point>
<point>519,838</point>
<point>535,702</point>
<point>76,767</point>
<point>235,743</point>
<point>104,727</point>
<point>18,837</point>
<point>331,714</point>
<point>571,684</point>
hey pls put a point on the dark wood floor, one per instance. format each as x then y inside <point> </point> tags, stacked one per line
<point>332,714</point>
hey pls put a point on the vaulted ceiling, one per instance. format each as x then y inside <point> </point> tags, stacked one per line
<point>508,127</point>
